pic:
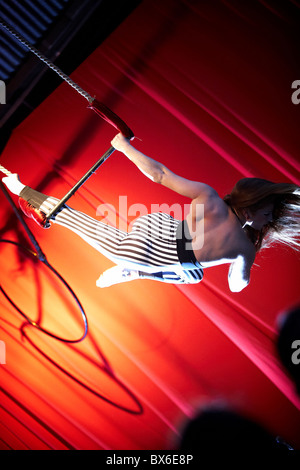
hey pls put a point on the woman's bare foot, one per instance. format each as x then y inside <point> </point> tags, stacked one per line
<point>116,275</point>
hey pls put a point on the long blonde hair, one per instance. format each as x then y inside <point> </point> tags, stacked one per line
<point>255,193</point>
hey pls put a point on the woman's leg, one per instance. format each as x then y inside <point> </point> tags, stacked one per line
<point>103,237</point>
<point>149,251</point>
<point>149,247</point>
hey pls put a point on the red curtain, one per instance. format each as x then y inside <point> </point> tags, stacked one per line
<point>206,87</point>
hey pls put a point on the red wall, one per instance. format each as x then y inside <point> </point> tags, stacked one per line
<point>206,87</point>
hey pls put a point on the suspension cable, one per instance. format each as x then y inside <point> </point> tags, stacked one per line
<point>48,62</point>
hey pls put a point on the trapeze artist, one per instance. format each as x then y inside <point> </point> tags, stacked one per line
<point>230,230</point>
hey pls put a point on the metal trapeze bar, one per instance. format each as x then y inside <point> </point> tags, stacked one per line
<point>89,173</point>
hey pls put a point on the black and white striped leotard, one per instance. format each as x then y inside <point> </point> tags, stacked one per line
<point>151,247</point>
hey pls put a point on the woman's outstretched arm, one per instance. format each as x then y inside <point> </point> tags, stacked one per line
<point>159,173</point>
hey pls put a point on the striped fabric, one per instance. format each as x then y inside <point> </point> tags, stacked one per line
<point>150,247</point>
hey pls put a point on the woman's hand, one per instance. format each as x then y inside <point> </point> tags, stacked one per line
<point>120,143</point>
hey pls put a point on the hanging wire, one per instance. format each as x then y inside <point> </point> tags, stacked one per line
<point>40,255</point>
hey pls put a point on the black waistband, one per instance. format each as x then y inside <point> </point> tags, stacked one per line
<point>185,252</point>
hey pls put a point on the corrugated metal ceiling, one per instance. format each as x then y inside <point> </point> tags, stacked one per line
<point>32,19</point>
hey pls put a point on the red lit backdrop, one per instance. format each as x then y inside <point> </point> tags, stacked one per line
<point>206,86</point>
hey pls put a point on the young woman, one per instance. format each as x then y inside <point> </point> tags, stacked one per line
<point>216,231</point>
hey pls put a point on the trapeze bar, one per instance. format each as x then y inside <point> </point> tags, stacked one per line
<point>72,191</point>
